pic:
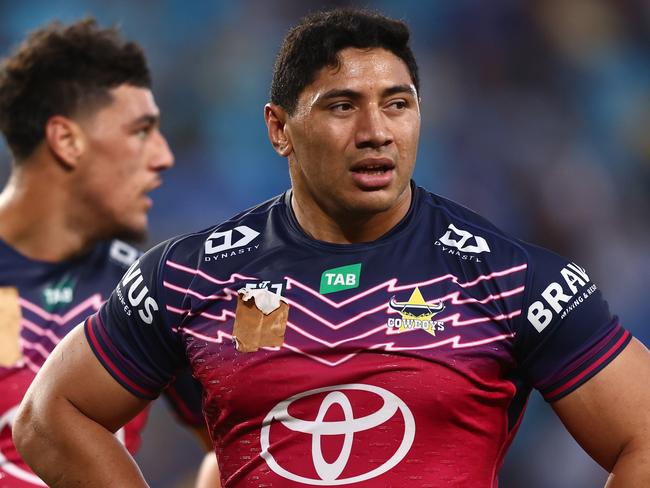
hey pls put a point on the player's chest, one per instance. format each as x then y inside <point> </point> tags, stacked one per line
<point>423,305</point>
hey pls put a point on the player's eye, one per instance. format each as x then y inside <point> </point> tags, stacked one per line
<point>341,107</point>
<point>398,104</point>
<point>143,132</point>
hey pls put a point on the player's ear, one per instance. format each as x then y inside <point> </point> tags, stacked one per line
<point>65,139</point>
<point>276,118</point>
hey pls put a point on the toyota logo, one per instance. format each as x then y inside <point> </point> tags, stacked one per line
<point>329,472</point>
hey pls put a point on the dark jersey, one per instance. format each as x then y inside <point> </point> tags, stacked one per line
<point>406,361</point>
<point>40,303</point>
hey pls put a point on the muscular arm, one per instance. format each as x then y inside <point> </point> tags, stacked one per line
<point>610,417</point>
<point>65,424</point>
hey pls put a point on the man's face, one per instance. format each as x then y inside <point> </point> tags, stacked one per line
<point>354,134</point>
<point>122,160</point>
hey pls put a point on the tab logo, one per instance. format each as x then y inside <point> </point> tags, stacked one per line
<point>221,242</point>
<point>60,293</point>
<point>338,279</point>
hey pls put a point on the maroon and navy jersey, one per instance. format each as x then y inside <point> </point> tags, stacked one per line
<point>40,303</point>
<point>405,361</point>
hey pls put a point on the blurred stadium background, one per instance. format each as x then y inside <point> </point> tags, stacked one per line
<point>535,113</point>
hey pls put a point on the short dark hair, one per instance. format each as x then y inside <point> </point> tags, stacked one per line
<point>63,70</point>
<point>317,39</point>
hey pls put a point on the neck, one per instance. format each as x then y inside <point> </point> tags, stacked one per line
<point>346,226</point>
<point>37,215</point>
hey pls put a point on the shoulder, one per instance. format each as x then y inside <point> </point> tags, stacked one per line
<point>233,235</point>
<point>464,232</point>
<point>550,282</point>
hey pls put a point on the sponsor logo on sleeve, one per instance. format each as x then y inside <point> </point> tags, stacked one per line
<point>460,243</point>
<point>133,294</point>
<point>416,313</point>
<point>561,297</point>
<point>339,279</point>
<point>225,244</point>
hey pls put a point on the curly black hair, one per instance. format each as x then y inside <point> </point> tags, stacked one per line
<point>63,69</point>
<point>318,38</point>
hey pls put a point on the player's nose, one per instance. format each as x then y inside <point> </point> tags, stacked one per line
<point>163,157</point>
<point>372,129</point>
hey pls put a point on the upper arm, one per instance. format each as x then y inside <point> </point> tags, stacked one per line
<point>73,378</point>
<point>611,412</point>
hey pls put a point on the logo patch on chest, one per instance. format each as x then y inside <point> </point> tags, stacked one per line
<point>56,294</point>
<point>416,313</point>
<point>339,279</point>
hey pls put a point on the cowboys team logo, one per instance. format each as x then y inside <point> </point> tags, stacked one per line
<point>416,313</point>
<point>332,426</point>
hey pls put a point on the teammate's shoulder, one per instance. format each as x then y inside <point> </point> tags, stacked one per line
<point>121,253</point>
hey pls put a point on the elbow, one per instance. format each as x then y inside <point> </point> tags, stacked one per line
<point>25,431</point>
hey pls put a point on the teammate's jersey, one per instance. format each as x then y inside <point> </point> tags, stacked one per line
<point>406,361</point>
<point>40,303</point>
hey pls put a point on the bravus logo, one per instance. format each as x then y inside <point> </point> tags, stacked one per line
<point>137,294</point>
<point>561,297</point>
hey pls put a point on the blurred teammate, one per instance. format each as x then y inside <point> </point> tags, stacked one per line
<point>357,330</point>
<point>79,117</point>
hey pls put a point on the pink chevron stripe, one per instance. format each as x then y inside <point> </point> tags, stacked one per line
<point>220,337</point>
<point>232,279</point>
<point>455,300</point>
<point>95,301</point>
<point>40,331</point>
<point>390,285</point>
<point>454,319</point>
<point>453,297</point>
<point>187,291</point>
<point>388,346</point>
<point>221,318</point>
<point>320,360</point>
<point>456,322</point>
<point>34,346</point>
<point>333,345</point>
<point>454,341</point>
<point>217,340</point>
<point>26,361</point>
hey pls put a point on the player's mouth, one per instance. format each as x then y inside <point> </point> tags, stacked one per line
<point>147,199</point>
<point>373,174</point>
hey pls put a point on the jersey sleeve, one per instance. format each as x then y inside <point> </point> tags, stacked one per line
<point>131,334</point>
<point>566,333</point>
<point>184,396</point>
